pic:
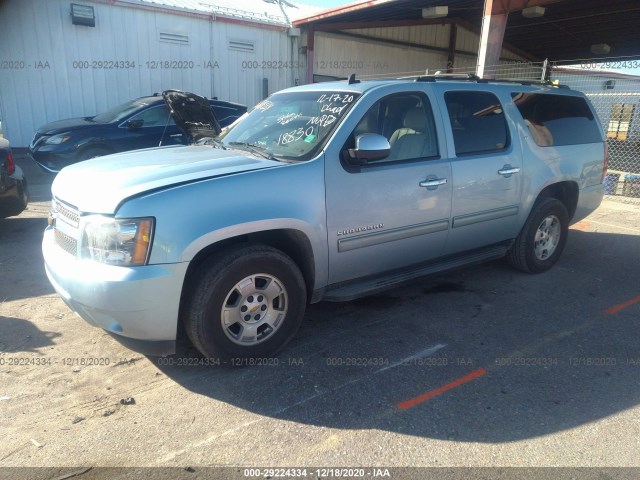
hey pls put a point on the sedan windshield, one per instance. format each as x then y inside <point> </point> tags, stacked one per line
<point>119,112</point>
<point>291,125</point>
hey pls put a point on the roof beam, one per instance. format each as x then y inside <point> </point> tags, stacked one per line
<point>493,7</point>
<point>328,27</point>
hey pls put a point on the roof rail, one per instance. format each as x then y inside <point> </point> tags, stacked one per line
<point>470,77</point>
<point>534,83</point>
<point>447,76</point>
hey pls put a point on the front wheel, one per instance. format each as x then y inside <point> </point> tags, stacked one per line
<point>542,238</point>
<point>249,302</point>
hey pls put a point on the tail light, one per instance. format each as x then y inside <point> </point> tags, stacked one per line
<point>10,164</point>
<point>606,161</point>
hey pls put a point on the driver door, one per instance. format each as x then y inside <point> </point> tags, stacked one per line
<point>394,212</point>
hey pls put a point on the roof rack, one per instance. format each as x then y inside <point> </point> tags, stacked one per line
<point>448,76</point>
<point>470,77</point>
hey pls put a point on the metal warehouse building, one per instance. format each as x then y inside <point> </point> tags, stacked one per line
<point>61,59</point>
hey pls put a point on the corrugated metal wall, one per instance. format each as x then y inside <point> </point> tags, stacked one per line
<point>341,55</point>
<point>51,69</point>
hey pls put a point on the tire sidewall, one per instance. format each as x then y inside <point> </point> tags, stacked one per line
<point>286,273</point>
<point>544,209</point>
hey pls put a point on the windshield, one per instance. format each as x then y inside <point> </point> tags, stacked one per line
<point>119,112</point>
<point>291,125</point>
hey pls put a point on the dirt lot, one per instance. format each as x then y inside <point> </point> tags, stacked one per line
<point>481,367</point>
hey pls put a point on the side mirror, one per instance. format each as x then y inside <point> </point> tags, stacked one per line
<point>133,124</point>
<point>369,147</point>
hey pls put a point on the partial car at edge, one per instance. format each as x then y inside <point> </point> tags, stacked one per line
<point>14,195</point>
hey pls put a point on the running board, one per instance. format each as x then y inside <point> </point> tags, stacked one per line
<point>368,286</point>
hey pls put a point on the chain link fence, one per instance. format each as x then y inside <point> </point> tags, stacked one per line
<point>613,87</point>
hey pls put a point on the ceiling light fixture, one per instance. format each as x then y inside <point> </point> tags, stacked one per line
<point>600,48</point>
<point>533,12</point>
<point>435,12</point>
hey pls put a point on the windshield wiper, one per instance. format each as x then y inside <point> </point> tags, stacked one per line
<point>253,148</point>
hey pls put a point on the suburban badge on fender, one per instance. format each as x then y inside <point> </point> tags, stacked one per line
<point>349,231</point>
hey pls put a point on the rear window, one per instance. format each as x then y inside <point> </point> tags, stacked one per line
<point>556,120</point>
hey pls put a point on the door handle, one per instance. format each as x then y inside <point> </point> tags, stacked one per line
<point>508,170</point>
<point>175,135</point>
<point>433,182</point>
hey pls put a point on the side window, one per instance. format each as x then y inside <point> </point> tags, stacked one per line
<point>555,120</point>
<point>155,117</point>
<point>477,122</point>
<point>224,115</point>
<point>406,121</point>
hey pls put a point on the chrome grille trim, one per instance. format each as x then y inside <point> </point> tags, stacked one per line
<point>67,243</point>
<point>66,214</point>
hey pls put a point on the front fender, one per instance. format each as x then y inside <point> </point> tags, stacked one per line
<point>193,216</point>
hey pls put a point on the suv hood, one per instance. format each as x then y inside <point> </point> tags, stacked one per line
<point>192,113</point>
<point>101,184</point>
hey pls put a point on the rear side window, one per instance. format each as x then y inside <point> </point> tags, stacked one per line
<point>556,120</point>
<point>477,122</point>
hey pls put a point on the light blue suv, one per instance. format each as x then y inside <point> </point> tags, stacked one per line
<point>328,191</point>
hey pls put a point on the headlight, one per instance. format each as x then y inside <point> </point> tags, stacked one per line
<point>124,242</point>
<point>57,139</point>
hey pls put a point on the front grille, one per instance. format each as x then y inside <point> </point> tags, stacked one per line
<point>67,243</point>
<point>66,214</point>
<point>66,226</point>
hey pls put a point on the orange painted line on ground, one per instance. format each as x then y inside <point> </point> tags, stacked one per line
<point>580,225</point>
<point>622,306</point>
<point>412,402</point>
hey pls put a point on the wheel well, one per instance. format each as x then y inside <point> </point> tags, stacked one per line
<point>566,192</point>
<point>293,243</point>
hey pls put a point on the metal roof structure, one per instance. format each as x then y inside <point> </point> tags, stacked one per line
<point>269,12</point>
<point>567,30</point>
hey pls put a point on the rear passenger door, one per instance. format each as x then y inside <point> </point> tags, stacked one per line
<point>486,169</point>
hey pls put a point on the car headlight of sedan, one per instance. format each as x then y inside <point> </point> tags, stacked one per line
<point>116,241</point>
<point>57,139</point>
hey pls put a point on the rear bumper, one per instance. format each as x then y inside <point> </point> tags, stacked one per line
<point>137,305</point>
<point>589,199</point>
<point>14,194</point>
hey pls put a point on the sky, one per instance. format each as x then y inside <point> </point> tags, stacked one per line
<point>326,3</point>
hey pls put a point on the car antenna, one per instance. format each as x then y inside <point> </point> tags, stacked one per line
<point>352,79</point>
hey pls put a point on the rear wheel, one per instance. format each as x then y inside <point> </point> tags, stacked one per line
<point>249,302</point>
<point>542,239</point>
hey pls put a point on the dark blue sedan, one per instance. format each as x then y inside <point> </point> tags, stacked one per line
<point>142,123</point>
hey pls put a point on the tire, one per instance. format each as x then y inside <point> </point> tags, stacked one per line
<point>93,152</point>
<point>226,323</point>
<point>542,239</point>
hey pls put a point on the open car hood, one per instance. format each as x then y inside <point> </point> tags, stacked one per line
<point>192,114</point>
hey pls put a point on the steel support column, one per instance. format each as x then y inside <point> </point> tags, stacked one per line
<point>491,37</point>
